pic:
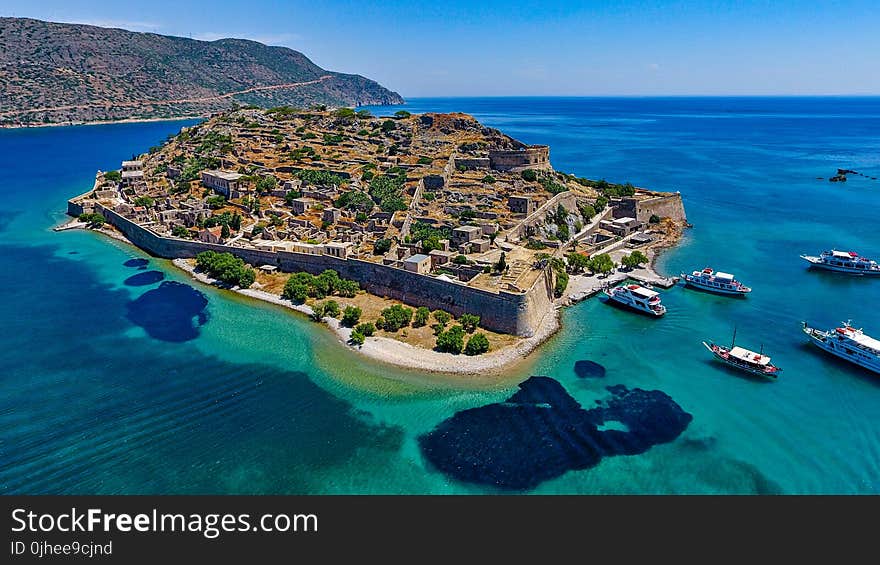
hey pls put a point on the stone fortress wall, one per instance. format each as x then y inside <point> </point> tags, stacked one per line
<point>529,157</point>
<point>517,313</point>
<point>663,205</point>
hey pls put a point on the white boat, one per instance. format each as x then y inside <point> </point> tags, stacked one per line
<point>843,262</point>
<point>715,281</point>
<point>848,343</point>
<point>637,297</point>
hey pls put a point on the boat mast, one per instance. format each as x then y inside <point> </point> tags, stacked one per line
<point>733,341</point>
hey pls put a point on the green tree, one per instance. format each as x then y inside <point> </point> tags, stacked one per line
<point>654,219</point>
<point>402,114</point>
<point>477,344</point>
<point>421,317</point>
<point>452,340</point>
<point>588,212</point>
<point>224,231</point>
<point>235,222</point>
<point>601,264</point>
<point>469,322</point>
<point>113,176</point>
<point>180,231</point>
<point>344,113</point>
<point>144,201</point>
<point>577,262</point>
<point>364,114</point>
<point>396,317</point>
<point>367,328</point>
<point>501,265</point>
<point>347,288</point>
<point>388,125</point>
<point>298,287</point>
<point>489,179</point>
<point>634,259</point>
<point>351,315</point>
<point>460,260</point>
<point>226,268</point>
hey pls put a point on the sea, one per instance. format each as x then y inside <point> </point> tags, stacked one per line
<point>121,375</point>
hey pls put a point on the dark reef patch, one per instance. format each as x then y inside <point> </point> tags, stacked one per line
<point>6,218</point>
<point>171,312</point>
<point>588,369</point>
<point>145,278</point>
<point>136,263</point>
<point>541,432</point>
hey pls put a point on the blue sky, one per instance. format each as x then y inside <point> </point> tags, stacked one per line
<point>496,48</point>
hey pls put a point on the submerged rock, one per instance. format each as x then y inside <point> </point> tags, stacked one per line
<point>145,278</point>
<point>541,432</point>
<point>588,369</point>
<point>136,262</point>
<point>171,312</point>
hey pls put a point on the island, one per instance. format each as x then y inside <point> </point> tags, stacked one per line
<point>427,241</point>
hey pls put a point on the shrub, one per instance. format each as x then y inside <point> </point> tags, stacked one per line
<point>331,308</point>
<point>367,328</point>
<point>442,317</point>
<point>421,317</point>
<point>402,114</point>
<point>357,338</point>
<point>344,113</point>
<point>489,179</point>
<point>226,268</point>
<point>469,322</point>
<point>144,201</point>
<point>347,288</point>
<point>561,283</point>
<point>381,246</point>
<point>396,317</point>
<point>654,219</point>
<point>460,260</point>
<point>529,175</point>
<point>425,161</point>
<point>452,340</point>
<point>318,311</point>
<point>388,125</point>
<point>351,316</point>
<point>477,344</point>
<point>114,176</point>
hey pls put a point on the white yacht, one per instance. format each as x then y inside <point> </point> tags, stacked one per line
<point>848,343</point>
<point>638,298</point>
<point>843,262</point>
<point>715,281</point>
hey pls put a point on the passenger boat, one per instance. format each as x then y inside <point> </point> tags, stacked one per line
<point>848,343</point>
<point>843,262</point>
<point>744,359</point>
<point>715,281</point>
<point>638,298</point>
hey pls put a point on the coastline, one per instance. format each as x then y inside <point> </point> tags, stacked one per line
<point>404,355</point>
<point>101,122</point>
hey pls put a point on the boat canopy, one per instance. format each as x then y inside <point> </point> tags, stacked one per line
<point>642,291</point>
<point>862,339</point>
<point>749,356</point>
<point>724,276</point>
<point>844,254</point>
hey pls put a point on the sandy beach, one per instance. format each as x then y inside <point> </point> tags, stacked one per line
<point>393,352</point>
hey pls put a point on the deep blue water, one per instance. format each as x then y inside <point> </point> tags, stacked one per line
<point>123,376</point>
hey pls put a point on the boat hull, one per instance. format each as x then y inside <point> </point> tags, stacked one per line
<point>817,263</point>
<point>614,301</point>
<point>841,351</point>
<point>714,290</point>
<point>742,367</point>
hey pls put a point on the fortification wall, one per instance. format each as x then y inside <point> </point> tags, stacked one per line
<point>472,162</point>
<point>531,157</point>
<point>670,206</point>
<point>567,199</point>
<point>513,313</point>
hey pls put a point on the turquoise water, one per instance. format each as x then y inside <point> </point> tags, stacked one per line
<point>110,387</point>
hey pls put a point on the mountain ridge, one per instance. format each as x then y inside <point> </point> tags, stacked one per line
<point>69,73</point>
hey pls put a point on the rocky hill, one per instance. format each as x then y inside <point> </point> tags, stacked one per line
<point>56,73</point>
